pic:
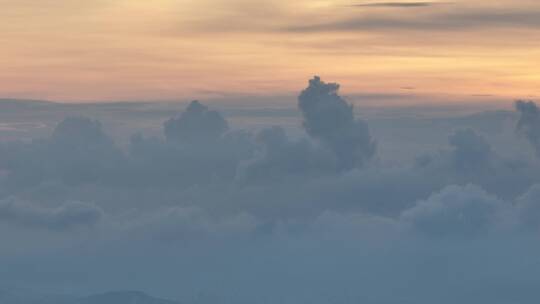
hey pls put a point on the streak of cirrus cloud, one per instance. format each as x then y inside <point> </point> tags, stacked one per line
<point>106,50</point>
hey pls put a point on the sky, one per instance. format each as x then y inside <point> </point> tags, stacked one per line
<point>76,50</point>
<point>235,198</point>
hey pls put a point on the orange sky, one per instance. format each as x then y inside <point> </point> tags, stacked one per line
<point>80,50</point>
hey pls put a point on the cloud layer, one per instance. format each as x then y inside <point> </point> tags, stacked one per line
<point>65,217</point>
<point>206,205</point>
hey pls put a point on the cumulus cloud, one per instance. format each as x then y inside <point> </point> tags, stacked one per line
<point>470,158</point>
<point>65,217</point>
<point>528,206</point>
<point>329,118</point>
<point>78,152</point>
<point>456,211</point>
<point>265,203</point>
<point>81,152</point>
<point>280,158</point>
<point>154,162</point>
<point>79,133</point>
<point>470,150</point>
<point>529,122</point>
<point>196,124</point>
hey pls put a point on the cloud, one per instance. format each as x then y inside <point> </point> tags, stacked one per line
<point>353,224</point>
<point>191,224</point>
<point>456,211</point>
<point>79,133</point>
<point>529,208</point>
<point>65,217</point>
<point>195,160</point>
<point>397,4</point>
<point>79,151</point>
<point>244,203</point>
<point>196,124</point>
<point>269,173</point>
<point>280,158</point>
<point>329,118</point>
<point>456,20</point>
<point>470,151</point>
<point>471,159</point>
<point>529,122</point>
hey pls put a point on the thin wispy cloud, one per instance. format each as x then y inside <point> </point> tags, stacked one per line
<point>449,21</point>
<point>397,4</point>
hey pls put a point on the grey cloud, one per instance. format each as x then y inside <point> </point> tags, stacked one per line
<point>470,151</point>
<point>157,163</point>
<point>471,159</point>
<point>64,217</point>
<point>80,133</point>
<point>447,21</point>
<point>242,204</point>
<point>81,152</point>
<point>197,123</point>
<point>268,174</point>
<point>77,152</point>
<point>280,158</point>
<point>396,4</point>
<point>529,122</point>
<point>529,208</point>
<point>329,118</point>
<point>362,225</point>
<point>466,211</point>
<point>192,224</point>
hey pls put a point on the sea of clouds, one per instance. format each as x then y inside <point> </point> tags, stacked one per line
<point>208,213</point>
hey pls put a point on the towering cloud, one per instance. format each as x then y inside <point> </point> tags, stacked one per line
<point>196,124</point>
<point>198,149</point>
<point>329,118</point>
<point>529,122</point>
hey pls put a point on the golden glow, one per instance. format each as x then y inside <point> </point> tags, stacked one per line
<point>79,50</point>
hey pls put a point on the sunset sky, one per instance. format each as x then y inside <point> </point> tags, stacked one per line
<point>269,151</point>
<point>80,50</point>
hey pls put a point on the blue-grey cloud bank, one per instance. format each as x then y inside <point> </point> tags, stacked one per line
<point>206,212</point>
